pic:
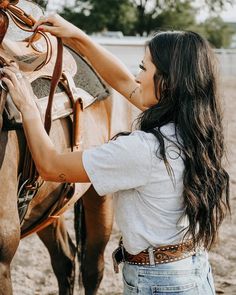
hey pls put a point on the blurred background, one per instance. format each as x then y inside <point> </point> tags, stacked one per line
<point>124,25</point>
<point>215,19</point>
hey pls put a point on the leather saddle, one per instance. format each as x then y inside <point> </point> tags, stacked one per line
<point>42,57</point>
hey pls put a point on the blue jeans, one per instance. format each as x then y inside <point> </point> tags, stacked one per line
<point>189,276</point>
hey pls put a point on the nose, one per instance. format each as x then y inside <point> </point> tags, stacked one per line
<point>137,79</point>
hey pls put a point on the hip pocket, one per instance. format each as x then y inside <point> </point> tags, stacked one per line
<point>185,289</point>
<point>128,282</point>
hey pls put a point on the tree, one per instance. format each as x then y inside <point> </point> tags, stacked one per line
<point>149,11</point>
<point>179,17</point>
<point>216,5</point>
<point>135,16</point>
<point>216,31</point>
<point>42,3</point>
<point>96,16</point>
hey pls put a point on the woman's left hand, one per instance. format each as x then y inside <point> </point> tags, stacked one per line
<point>19,87</point>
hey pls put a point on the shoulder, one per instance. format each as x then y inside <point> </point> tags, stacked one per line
<point>136,143</point>
<point>169,132</point>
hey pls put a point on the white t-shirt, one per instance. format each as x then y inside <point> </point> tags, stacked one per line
<point>148,204</point>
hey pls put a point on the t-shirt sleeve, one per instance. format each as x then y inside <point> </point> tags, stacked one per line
<point>120,164</point>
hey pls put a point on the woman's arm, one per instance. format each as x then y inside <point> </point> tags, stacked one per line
<point>50,164</point>
<point>110,68</point>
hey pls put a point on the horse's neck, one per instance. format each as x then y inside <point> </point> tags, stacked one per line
<point>12,149</point>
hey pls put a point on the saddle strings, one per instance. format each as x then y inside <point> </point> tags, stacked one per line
<point>25,22</point>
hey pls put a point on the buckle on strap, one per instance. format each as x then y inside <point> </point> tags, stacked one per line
<point>118,257</point>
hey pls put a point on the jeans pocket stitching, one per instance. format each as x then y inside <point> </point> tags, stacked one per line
<point>128,286</point>
<point>178,288</point>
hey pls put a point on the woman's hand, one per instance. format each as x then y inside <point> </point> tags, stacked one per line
<point>19,88</point>
<point>57,26</point>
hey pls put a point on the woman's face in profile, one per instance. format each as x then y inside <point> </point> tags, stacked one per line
<point>146,81</point>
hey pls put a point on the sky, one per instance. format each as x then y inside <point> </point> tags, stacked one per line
<point>228,14</point>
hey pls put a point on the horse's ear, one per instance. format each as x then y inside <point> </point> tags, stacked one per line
<point>4,23</point>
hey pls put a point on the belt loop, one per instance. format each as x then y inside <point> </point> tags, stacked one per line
<point>151,256</point>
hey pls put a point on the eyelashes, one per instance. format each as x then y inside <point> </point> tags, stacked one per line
<point>142,67</point>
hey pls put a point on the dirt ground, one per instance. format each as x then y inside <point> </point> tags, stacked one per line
<point>32,273</point>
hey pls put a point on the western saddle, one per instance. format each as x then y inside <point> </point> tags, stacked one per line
<point>36,57</point>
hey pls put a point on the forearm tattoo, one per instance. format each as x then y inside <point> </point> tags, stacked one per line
<point>62,177</point>
<point>132,93</point>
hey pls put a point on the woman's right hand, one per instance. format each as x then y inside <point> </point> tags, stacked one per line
<point>19,88</point>
<point>57,26</point>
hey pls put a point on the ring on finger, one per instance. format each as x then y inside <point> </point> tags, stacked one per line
<point>19,76</point>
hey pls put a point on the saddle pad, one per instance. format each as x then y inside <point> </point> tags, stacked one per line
<point>61,106</point>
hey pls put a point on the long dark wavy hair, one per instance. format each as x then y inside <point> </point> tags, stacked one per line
<point>186,80</point>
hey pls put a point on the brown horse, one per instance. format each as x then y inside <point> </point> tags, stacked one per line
<point>97,124</point>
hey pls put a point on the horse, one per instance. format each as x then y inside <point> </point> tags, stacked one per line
<point>96,122</point>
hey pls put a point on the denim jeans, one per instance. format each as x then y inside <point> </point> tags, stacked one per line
<point>189,276</point>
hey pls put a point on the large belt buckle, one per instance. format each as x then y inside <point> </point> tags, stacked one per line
<point>118,257</point>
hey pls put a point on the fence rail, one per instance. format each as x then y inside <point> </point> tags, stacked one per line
<point>131,49</point>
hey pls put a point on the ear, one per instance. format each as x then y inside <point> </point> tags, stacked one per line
<point>159,85</point>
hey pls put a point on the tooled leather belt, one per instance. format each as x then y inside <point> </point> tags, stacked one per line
<point>153,256</point>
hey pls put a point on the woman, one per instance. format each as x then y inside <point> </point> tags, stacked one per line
<point>171,192</point>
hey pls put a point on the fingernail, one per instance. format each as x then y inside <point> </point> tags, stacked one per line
<point>40,28</point>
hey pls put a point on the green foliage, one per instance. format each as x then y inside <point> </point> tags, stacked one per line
<point>42,3</point>
<point>217,5</point>
<point>142,17</point>
<point>216,31</point>
<point>178,17</point>
<point>96,16</point>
